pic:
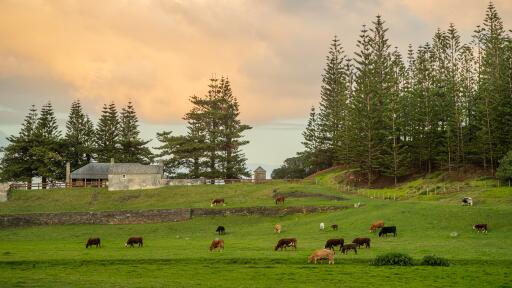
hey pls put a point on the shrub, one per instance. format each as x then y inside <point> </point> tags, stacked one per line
<point>504,171</point>
<point>432,260</point>
<point>398,259</point>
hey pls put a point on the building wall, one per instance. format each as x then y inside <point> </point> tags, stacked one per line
<point>134,181</point>
<point>4,187</point>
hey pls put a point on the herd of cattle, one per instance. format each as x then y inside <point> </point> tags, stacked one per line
<point>326,253</point>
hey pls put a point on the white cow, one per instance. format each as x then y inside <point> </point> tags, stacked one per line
<point>322,226</point>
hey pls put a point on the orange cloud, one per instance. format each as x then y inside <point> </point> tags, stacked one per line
<point>158,53</point>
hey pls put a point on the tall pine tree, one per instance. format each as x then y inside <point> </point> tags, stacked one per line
<point>79,138</point>
<point>133,149</point>
<point>107,135</point>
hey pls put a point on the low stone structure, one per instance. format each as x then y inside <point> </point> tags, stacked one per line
<point>119,176</point>
<point>4,190</point>
<point>260,175</point>
<point>150,216</point>
<point>173,182</point>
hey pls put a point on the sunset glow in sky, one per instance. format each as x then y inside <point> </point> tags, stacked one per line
<point>157,53</point>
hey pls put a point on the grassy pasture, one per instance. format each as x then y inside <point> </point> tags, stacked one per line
<point>176,254</point>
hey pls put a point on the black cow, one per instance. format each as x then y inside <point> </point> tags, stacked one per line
<point>362,242</point>
<point>221,230</point>
<point>93,241</point>
<point>348,247</point>
<point>331,243</point>
<point>134,240</point>
<point>388,230</point>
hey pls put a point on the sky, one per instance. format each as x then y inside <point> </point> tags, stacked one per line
<point>158,53</point>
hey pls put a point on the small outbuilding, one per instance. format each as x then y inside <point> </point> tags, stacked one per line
<point>118,176</point>
<point>260,175</point>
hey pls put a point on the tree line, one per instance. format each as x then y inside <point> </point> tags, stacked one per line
<point>445,105</point>
<point>211,147</point>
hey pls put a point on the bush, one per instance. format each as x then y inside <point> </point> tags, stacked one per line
<point>398,259</point>
<point>432,260</point>
<point>504,171</point>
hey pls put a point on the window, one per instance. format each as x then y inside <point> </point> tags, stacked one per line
<point>124,176</point>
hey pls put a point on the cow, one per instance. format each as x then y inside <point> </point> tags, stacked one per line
<point>279,199</point>
<point>277,228</point>
<point>362,242</point>
<point>387,230</point>
<point>331,243</point>
<point>134,240</point>
<point>286,242</point>
<point>467,201</point>
<point>334,227</point>
<point>217,244</point>
<point>375,225</point>
<point>93,241</point>
<point>348,247</point>
<point>218,201</point>
<point>480,228</point>
<point>322,254</point>
<point>221,230</point>
<point>322,226</point>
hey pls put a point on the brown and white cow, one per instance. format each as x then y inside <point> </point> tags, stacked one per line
<point>134,240</point>
<point>277,228</point>
<point>218,201</point>
<point>286,242</point>
<point>376,224</point>
<point>480,227</point>
<point>322,254</point>
<point>217,244</point>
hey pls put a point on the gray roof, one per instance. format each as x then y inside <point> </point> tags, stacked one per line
<point>102,170</point>
<point>259,169</point>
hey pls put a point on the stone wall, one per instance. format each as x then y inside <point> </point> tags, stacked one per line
<point>4,190</point>
<point>172,182</point>
<point>134,181</point>
<point>149,216</point>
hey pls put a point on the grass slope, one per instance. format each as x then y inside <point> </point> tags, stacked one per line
<point>176,254</point>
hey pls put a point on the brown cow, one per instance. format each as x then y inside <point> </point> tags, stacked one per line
<point>320,255</point>
<point>280,199</point>
<point>134,240</point>
<point>480,228</point>
<point>334,227</point>
<point>331,243</point>
<point>93,241</point>
<point>286,242</point>
<point>277,228</point>
<point>376,224</point>
<point>218,201</point>
<point>362,241</point>
<point>217,244</point>
<point>348,247</point>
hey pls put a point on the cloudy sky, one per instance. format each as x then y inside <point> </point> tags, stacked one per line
<point>157,53</point>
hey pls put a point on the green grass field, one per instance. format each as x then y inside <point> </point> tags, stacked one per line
<point>176,254</point>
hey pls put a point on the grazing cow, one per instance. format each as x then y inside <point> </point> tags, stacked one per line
<point>280,199</point>
<point>277,228</point>
<point>376,224</point>
<point>348,247</point>
<point>362,241</point>
<point>387,230</point>
<point>357,205</point>
<point>322,226</point>
<point>93,241</point>
<point>320,255</point>
<point>221,230</point>
<point>134,240</point>
<point>331,243</point>
<point>217,244</point>
<point>334,226</point>
<point>218,201</point>
<point>480,228</point>
<point>467,201</point>
<point>286,242</point>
